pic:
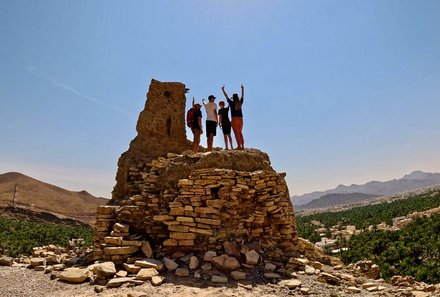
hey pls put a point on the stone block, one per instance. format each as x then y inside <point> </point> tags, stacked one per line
<point>146,273</point>
<point>123,250</point>
<point>185,219</point>
<point>181,235</point>
<point>186,242</point>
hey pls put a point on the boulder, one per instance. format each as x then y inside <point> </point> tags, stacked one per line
<point>194,262</point>
<point>230,263</point>
<point>119,281</point>
<point>131,268</point>
<point>354,290</point>
<point>238,275</point>
<point>75,275</point>
<point>146,273</point>
<point>170,264</point>
<point>181,272</point>
<point>272,275</point>
<point>105,270</point>
<point>291,283</point>
<point>209,255</point>
<point>231,249</point>
<point>150,263</point>
<point>329,278</point>
<point>252,257</point>
<point>219,279</point>
<point>269,267</point>
<point>6,261</point>
<point>38,261</point>
<point>146,249</point>
<point>157,280</point>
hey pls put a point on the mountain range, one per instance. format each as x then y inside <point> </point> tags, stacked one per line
<point>18,191</point>
<point>341,193</point>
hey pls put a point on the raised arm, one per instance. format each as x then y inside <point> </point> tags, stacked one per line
<point>224,92</point>
<point>242,91</point>
<point>194,102</point>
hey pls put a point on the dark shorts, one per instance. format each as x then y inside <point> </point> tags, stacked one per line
<point>211,128</point>
<point>226,128</point>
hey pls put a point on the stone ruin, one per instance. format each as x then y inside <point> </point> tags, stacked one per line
<point>161,130</point>
<point>168,199</point>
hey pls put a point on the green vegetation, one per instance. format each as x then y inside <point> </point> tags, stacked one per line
<point>19,237</point>
<point>414,250</point>
<point>362,217</point>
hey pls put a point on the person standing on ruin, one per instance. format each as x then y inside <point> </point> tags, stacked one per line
<point>211,120</point>
<point>225,123</point>
<point>196,127</point>
<point>235,105</point>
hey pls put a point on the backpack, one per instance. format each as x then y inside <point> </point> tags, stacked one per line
<point>190,117</point>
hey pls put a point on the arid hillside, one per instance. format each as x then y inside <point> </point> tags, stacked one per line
<point>38,196</point>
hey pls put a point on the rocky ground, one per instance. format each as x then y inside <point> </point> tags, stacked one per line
<point>33,276</point>
<point>21,282</point>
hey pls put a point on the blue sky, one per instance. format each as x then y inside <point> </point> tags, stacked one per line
<point>337,92</point>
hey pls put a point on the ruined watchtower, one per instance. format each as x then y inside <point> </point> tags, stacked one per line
<point>169,199</point>
<point>161,130</point>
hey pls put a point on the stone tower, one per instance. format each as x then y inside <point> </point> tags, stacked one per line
<point>161,130</point>
<point>169,199</point>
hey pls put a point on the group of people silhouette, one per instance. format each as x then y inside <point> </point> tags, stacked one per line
<point>219,118</point>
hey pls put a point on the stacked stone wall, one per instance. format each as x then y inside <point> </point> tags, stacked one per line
<point>174,204</point>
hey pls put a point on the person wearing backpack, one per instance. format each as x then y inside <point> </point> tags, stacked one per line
<point>235,105</point>
<point>194,121</point>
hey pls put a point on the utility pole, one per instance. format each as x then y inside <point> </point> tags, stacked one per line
<point>13,195</point>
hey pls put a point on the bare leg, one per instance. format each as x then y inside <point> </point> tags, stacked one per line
<point>230,140</point>
<point>226,140</point>
<point>210,141</point>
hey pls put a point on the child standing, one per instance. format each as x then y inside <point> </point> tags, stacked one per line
<point>225,123</point>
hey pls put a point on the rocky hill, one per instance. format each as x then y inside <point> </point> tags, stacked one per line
<point>409,182</point>
<point>42,198</point>
<point>331,200</point>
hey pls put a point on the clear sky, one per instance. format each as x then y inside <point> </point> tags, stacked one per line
<point>337,92</point>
